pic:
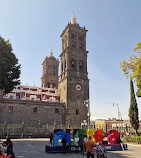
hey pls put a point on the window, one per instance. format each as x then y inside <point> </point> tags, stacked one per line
<point>54,67</point>
<point>110,125</point>
<point>65,66</point>
<point>11,97</point>
<point>99,126</point>
<point>48,84</point>
<point>10,108</point>
<point>62,66</point>
<point>77,111</point>
<point>80,65</point>
<point>56,110</point>
<point>54,73</point>
<point>72,63</point>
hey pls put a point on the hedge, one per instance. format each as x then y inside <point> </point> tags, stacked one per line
<point>133,139</point>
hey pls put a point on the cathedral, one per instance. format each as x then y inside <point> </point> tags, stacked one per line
<point>60,102</point>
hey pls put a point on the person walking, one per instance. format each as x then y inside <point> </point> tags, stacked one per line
<point>81,144</point>
<point>100,150</point>
<point>51,138</point>
<point>64,142</point>
<point>90,148</point>
<point>9,143</point>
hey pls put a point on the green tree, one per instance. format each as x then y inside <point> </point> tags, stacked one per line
<point>133,110</point>
<point>132,68</point>
<point>9,67</point>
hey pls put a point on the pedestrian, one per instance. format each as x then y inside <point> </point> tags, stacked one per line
<point>51,138</point>
<point>90,148</point>
<point>9,143</point>
<point>4,149</point>
<point>22,135</point>
<point>76,139</point>
<point>85,139</point>
<point>64,143</point>
<point>6,135</point>
<point>81,144</point>
<point>10,152</point>
<point>100,150</point>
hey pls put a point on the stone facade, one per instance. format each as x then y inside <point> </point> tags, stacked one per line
<point>50,72</point>
<point>74,82</point>
<point>34,114</point>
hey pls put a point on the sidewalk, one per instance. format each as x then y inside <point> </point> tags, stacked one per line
<point>133,144</point>
<point>28,139</point>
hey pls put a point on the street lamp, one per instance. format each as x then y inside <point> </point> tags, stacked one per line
<point>88,114</point>
<point>120,118</point>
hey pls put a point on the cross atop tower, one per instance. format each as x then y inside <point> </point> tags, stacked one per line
<point>73,19</point>
<point>51,53</point>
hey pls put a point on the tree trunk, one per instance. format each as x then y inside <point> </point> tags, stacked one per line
<point>136,134</point>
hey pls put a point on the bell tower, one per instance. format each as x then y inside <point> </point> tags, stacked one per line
<point>74,82</point>
<point>50,72</point>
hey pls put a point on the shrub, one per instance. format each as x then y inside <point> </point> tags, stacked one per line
<point>133,139</point>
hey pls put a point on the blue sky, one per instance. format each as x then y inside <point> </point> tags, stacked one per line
<point>34,26</point>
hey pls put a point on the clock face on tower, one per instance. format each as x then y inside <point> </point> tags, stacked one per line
<point>78,87</point>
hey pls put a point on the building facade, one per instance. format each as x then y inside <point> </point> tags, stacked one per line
<point>30,114</point>
<point>107,124</point>
<point>24,92</point>
<point>74,82</point>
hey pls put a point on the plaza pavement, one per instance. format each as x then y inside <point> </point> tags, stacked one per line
<point>35,148</point>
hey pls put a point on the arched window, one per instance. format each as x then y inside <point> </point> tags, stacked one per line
<point>81,65</point>
<point>73,63</point>
<point>48,84</point>
<point>65,65</point>
<point>62,66</point>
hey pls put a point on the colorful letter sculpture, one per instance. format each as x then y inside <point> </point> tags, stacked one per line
<point>59,135</point>
<point>98,135</point>
<point>95,135</point>
<point>113,136</point>
<point>76,135</point>
<point>91,132</point>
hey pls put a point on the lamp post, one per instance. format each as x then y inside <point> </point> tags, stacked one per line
<point>119,117</point>
<point>85,123</point>
<point>88,113</point>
